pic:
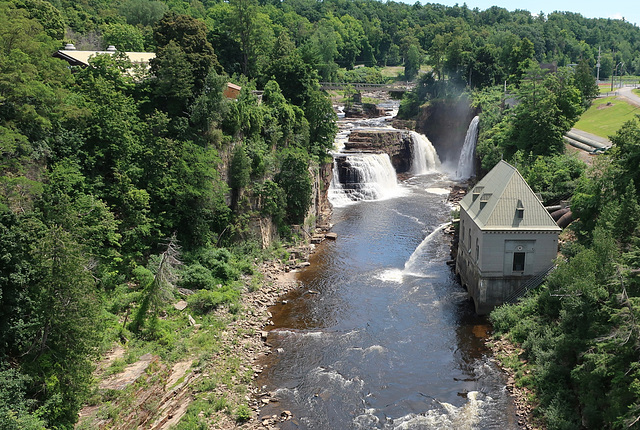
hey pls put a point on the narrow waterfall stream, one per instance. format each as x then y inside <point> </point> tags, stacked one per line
<point>379,335</point>
<point>465,168</point>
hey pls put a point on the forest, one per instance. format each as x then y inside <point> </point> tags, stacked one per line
<point>120,183</point>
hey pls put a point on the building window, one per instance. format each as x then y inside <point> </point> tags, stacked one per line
<point>477,250</point>
<point>520,213</point>
<point>518,261</point>
<point>461,231</point>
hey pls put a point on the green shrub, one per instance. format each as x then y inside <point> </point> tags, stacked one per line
<point>243,413</point>
<point>197,277</point>
<point>205,301</point>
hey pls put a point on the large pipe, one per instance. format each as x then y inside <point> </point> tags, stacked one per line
<point>556,215</point>
<point>565,220</point>
<point>578,145</point>
<point>592,143</point>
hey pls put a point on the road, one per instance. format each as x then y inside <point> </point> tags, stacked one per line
<point>632,97</point>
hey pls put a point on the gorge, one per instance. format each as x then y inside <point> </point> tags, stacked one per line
<point>379,334</point>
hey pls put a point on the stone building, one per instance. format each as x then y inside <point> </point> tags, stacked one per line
<point>507,238</point>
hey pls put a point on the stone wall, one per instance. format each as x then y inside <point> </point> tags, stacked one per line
<point>398,144</point>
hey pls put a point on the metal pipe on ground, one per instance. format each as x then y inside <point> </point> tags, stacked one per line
<point>556,215</point>
<point>592,143</point>
<point>578,145</point>
<point>565,220</point>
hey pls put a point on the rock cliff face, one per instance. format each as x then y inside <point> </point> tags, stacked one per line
<point>396,143</point>
<point>320,210</point>
<point>445,123</point>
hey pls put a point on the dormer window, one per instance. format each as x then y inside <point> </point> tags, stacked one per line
<point>520,210</point>
<point>476,193</point>
<point>484,199</point>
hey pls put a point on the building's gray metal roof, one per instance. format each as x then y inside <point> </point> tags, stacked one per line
<point>496,200</point>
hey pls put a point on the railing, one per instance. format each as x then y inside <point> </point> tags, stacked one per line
<point>529,285</point>
<point>396,86</point>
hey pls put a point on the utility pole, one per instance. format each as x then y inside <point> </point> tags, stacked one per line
<point>613,72</point>
<point>598,68</point>
<point>620,74</point>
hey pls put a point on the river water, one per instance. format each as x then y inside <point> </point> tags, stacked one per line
<point>380,335</point>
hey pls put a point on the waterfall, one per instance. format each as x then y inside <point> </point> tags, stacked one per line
<point>425,157</point>
<point>338,197</point>
<point>362,176</point>
<point>466,161</point>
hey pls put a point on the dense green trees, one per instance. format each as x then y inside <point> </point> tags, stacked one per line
<point>101,165</point>
<point>580,330</point>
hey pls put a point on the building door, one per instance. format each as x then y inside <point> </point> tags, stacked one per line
<point>519,257</point>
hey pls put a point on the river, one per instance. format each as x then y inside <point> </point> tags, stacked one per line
<point>380,335</point>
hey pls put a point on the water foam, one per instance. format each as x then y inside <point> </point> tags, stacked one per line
<point>438,191</point>
<point>411,266</point>
<point>390,275</point>
<point>413,218</point>
<point>331,377</point>
<point>425,157</point>
<point>314,334</point>
<point>366,177</point>
<point>465,417</point>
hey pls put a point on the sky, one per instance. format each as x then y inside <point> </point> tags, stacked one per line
<point>629,9</point>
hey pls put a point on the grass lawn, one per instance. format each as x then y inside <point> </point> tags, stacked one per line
<point>603,120</point>
<point>395,71</point>
<point>392,71</point>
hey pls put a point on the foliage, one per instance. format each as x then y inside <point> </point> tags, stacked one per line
<point>156,288</point>
<point>240,169</point>
<point>586,83</point>
<point>555,177</point>
<point>99,165</point>
<point>295,181</point>
<point>369,75</point>
<point>580,330</point>
<point>548,106</point>
<point>412,63</point>
<point>243,413</point>
<point>205,301</point>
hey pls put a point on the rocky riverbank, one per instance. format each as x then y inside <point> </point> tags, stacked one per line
<point>503,350</point>
<point>251,345</point>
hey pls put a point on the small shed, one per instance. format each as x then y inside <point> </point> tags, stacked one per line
<point>232,91</point>
<point>507,238</point>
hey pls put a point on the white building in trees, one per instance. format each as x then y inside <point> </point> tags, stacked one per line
<point>507,238</point>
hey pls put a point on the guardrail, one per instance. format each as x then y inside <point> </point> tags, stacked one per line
<point>529,285</point>
<point>363,86</point>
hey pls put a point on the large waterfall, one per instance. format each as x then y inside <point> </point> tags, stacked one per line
<point>465,163</point>
<point>362,176</point>
<point>425,157</point>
